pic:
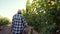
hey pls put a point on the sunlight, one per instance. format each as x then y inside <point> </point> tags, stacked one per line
<point>9,7</point>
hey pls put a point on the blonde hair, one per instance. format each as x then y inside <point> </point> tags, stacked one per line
<point>19,11</point>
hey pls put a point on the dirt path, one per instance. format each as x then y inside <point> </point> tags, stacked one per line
<point>6,30</point>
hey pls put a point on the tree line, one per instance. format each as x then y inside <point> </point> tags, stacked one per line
<point>43,15</point>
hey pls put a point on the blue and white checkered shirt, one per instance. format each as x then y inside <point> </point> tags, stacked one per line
<point>18,23</point>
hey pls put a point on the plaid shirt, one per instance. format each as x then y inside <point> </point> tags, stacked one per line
<point>18,23</point>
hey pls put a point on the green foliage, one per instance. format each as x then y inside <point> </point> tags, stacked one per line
<point>43,15</point>
<point>4,21</point>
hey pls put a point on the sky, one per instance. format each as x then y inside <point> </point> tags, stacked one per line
<point>9,7</point>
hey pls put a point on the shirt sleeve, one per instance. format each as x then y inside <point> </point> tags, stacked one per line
<point>14,20</point>
<point>24,22</point>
